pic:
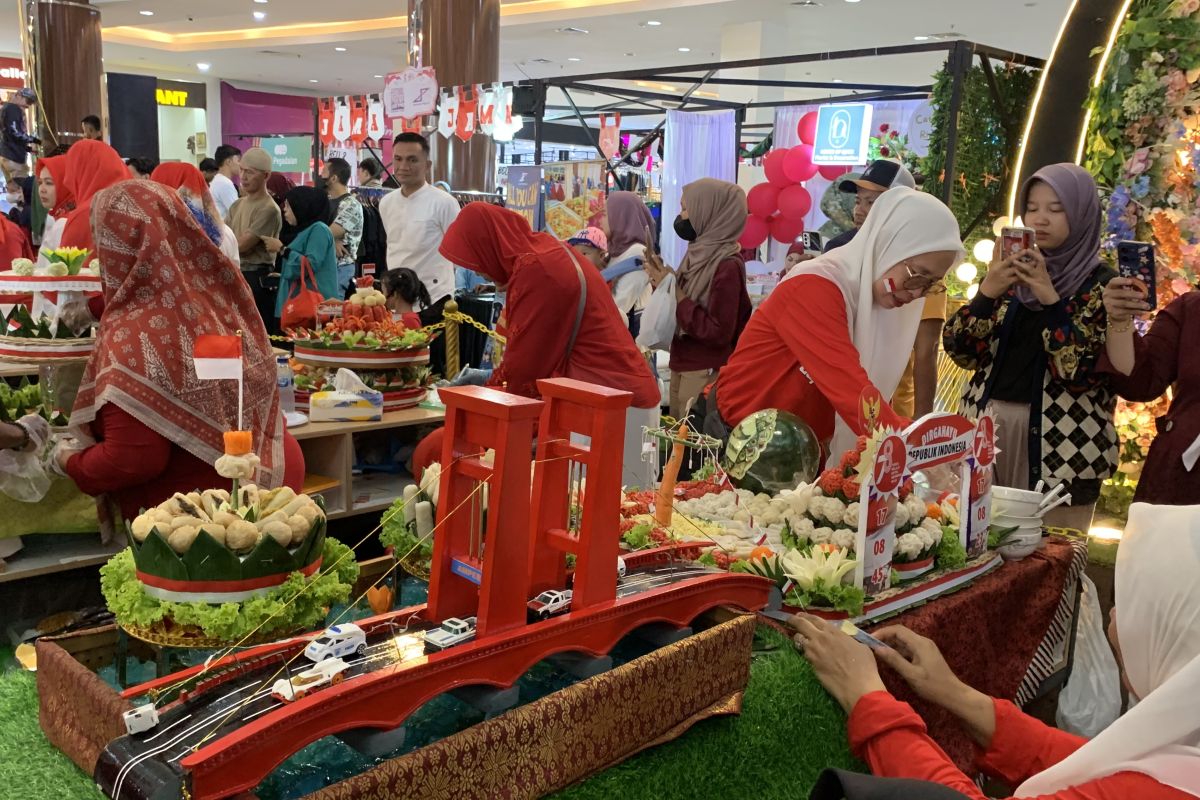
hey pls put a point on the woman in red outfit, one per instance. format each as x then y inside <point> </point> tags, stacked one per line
<point>712,304</point>
<point>158,430</point>
<point>843,323</point>
<point>90,166</point>
<point>1141,368</point>
<point>1150,753</point>
<point>13,243</point>
<point>554,329</point>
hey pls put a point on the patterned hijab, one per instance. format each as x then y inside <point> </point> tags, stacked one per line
<point>91,166</point>
<point>193,189</point>
<point>165,283</point>
<point>629,222</point>
<point>717,210</point>
<point>1073,263</point>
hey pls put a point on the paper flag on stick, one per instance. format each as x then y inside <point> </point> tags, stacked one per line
<point>218,357</point>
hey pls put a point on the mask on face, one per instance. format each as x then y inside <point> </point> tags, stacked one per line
<point>321,183</point>
<point>684,229</point>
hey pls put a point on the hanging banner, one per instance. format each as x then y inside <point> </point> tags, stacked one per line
<point>411,93</point>
<point>525,194</point>
<point>376,122</point>
<point>341,120</point>
<point>358,119</point>
<point>466,117</point>
<point>610,135</point>
<point>407,126</point>
<point>574,196</point>
<point>504,128</point>
<point>447,112</point>
<point>487,107</point>
<point>325,119</point>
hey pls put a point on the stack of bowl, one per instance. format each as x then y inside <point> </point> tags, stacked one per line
<point>1020,509</point>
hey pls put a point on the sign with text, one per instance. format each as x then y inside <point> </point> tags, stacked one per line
<point>525,194</point>
<point>12,73</point>
<point>876,539</point>
<point>181,94</point>
<point>289,153</point>
<point>843,133</point>
<point>977,518</point>
<point>411,93</point>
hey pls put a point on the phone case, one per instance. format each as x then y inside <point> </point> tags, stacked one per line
<point>1136,260</point>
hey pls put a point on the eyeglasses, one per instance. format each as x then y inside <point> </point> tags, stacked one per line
<point>916,282</point>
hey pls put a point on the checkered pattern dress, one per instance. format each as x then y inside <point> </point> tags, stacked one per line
<point>1071,424</point>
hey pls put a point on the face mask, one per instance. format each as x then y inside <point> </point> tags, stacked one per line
<point>320,183</point>
<point>684,229</point>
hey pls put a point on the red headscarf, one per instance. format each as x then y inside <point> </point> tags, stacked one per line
<point>165,283</point>
<point>542,279</point>
<point>64,198</point>
<point>91,166</point>
<point>188,180</point>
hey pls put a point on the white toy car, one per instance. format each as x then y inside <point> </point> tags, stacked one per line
<point>329,671</point>
<point>140,719</point>
<point>337,642</point>
<point>620,568</point>
<point>549,603</point>
<point>453,631</point>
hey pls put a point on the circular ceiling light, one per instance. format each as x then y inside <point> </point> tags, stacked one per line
<point>340,49</point>
<point>685,49</point>
<point>260,15</point>
<point>653,23</point>
<point>146,13</point>
<point>203,66</point>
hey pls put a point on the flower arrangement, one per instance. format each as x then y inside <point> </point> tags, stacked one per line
<point>69,261</point>
<point>888,142</point>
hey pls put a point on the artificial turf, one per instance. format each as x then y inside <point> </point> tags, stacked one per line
<point>788,731</point>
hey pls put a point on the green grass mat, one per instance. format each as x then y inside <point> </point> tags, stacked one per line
<point>30,765</point>
<point>789,730</point>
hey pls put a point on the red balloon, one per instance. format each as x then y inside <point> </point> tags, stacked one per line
<point>755,233</point>
<point>808,128</point>
<point>833,173</point>
<point>798,165</point>
<point>773,167</point>
<point>763,200</point>
<point>794,202</point>
<point>786,230</point>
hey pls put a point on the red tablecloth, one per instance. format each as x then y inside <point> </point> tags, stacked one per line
<point>997,634</point>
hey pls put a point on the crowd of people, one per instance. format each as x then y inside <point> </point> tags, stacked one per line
<point>1049,342</point>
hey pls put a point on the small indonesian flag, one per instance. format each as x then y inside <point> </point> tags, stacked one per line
<point>14,325</point>
<point>218,357</point>
<point>787,587</point>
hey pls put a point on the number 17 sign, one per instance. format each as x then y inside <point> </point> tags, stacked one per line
<point>877,516</point>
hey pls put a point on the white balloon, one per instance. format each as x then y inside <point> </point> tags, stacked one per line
<point>1000,224</point>
<point>966,272</point>
<point>984,249</point>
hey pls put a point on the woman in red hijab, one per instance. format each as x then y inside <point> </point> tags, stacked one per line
<point>91,166</point>
<point>547,338</point>
<point>158,429</point>
<point>189,182</point>
<point>56,198</point>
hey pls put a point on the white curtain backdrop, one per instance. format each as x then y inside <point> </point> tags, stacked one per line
<point>698,145</point>
<point>910,117</point>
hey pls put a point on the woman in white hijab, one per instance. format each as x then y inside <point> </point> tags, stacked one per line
<point>1150,753</point>
<point>843,323</point>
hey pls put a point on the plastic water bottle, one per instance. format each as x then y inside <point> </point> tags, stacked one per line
<point>287,385</point>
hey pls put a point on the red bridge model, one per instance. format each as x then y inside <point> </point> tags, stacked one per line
<point>221,747</point>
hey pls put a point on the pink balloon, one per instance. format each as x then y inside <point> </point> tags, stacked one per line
<point>807,129</point>
<point>763,200</point>
<point>833,173</point>
<point>755,233</point>
<point>786,230</point>
<point>794,202</point>
<point>773,167</point>
<point>798,165</point>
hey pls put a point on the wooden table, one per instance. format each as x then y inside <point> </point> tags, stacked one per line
<point>329,463</point>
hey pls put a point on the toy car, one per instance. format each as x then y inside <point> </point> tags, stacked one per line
<point>336,642</point>
<point>453,631</point>
<point>620,568</point>
<point>298,686</point>
<point>549,603</point>
<point>140,719</point>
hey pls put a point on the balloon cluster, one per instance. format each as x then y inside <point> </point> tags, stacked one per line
<point>779,206</point>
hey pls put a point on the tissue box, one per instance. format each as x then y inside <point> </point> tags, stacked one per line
<point>364,406</point>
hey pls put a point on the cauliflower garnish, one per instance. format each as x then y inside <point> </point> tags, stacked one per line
<point>22,266</point>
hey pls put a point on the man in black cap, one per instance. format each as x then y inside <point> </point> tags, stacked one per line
<point>879,176</point>
<point>15,141</point>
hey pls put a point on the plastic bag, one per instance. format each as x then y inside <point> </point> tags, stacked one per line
<point>23,474</point>
<point>1091,700</point>
<point>658,318</point>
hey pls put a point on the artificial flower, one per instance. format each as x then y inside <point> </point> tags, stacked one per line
<point>828,567</point>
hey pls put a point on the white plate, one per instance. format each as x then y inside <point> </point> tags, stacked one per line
<point>295,419</point>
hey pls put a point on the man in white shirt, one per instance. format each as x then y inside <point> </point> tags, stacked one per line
<point>225,194</point>
<point>416,217</point>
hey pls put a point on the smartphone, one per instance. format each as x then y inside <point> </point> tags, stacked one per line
<point>812,241</point>
<point>1014,240</point>
<point>1136,260</point>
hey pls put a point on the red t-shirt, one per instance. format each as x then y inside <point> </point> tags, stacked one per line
<point>796,354</point>
<point>892,739</point>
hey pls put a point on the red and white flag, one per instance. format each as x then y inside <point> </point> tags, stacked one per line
<point>218,357</point>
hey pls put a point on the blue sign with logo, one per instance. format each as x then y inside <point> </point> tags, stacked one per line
<point>843,132</point>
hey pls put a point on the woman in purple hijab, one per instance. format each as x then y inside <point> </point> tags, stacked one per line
<point>1033,336</point>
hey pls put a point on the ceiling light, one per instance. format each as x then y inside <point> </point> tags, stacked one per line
<point>685,49</point>
<point>262,2</point>
<point>203,66</point>
<point>340,49</point>
<point>379,76</point>
<point>920,38</point>
<point>573,58</point>
<point>146,13</point>
<point>852,1</point>
<point>837,80</point>
<point>260,15</point>
<point>312,80</point>
<point>653,23</point>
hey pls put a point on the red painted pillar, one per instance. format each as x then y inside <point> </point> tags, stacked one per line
<point>479,419</point>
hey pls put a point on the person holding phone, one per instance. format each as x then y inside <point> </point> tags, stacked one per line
<point>1142,367</point>
<point>1033,336</point>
